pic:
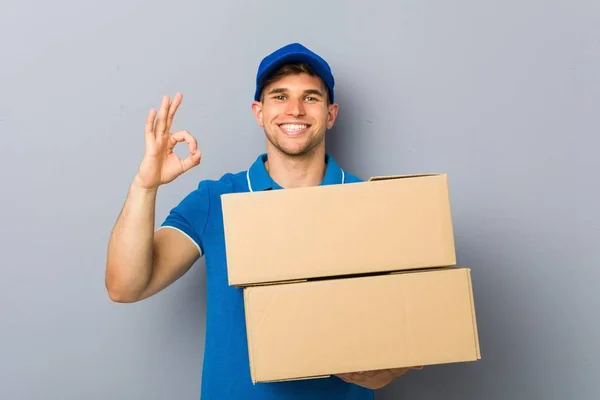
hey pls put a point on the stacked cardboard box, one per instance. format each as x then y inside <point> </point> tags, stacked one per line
<point>347,278</point>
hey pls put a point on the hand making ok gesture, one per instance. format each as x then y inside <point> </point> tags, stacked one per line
<point>160,164</point>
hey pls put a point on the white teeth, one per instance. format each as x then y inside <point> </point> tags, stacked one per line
<point>293,127</point>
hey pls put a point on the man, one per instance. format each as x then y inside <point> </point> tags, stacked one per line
<point>294,104</point>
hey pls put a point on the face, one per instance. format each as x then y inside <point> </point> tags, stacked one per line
<point>295,115</point>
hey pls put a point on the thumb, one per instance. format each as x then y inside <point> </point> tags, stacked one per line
<point>191,161</point>
<point>185,136</point>
<point>195,155</point>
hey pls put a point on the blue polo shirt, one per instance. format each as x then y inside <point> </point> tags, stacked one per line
<point>226,368</point>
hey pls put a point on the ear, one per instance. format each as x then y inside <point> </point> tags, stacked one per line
<point>257,110</point>
<point>332,115</point>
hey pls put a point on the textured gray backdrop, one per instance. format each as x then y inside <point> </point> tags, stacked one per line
<point>502,95</point>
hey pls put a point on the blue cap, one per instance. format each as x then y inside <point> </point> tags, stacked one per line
<point>293,53</point>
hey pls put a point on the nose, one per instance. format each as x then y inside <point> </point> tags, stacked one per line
<point>295,107</point>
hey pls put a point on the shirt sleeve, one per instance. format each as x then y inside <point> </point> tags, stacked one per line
<point>190,215</point>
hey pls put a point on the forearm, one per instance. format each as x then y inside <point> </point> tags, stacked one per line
<point>130,248</point>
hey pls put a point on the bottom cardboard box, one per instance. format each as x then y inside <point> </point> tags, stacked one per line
<point>321,328</point>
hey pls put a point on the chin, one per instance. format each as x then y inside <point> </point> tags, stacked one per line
<point>294,146</point>
<point>297,151</point>
<point>292,151</point>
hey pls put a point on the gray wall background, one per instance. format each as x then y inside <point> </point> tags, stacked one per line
<point>502,95</point>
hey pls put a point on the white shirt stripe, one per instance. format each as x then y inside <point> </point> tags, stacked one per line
<point>252,190</point>
<point>186,235</point>
<point>248,179</point>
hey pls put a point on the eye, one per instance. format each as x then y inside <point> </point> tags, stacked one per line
<point>309,98</point>
<point>279,97</point>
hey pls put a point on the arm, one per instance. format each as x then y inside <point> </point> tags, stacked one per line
<point>141,262</point>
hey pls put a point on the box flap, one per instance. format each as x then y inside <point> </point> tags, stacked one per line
<point>475,329</point>
<point>388,177</point>
<point>292,379</point>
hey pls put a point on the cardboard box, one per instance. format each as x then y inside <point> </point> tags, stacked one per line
<point>321,328</point>
<point>385,224</point>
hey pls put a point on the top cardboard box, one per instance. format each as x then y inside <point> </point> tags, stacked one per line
<point>385,224</point>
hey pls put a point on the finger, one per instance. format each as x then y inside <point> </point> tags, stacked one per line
<point>397,372</point>
<point>150,122</point>
<point>191,161</point>
<point>172,110</point>
<point>347,377</point>
<point>195,155</point>
<point>161,123</point>
<point>182,136</point>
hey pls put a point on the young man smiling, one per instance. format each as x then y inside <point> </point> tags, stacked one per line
<point>294,104</point>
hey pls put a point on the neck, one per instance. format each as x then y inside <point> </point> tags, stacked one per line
<point>294,172</point>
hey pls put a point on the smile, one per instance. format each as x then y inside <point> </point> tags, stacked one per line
<point>293,129</point>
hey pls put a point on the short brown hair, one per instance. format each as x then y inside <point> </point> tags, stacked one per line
<point>290,69</point>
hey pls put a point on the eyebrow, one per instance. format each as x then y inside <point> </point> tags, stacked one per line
<point>307,91</point>
<point>314,91</point>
